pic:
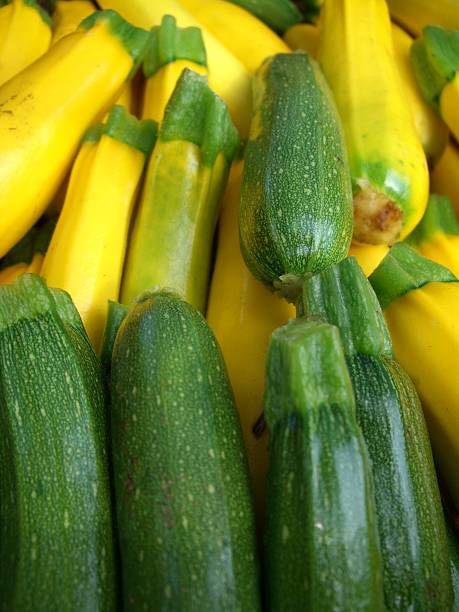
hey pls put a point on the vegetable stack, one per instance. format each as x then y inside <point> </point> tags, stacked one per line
<point>176,178</point>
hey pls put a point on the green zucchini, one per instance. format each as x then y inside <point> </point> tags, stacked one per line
<point>296,201</point>
<point>322,549</point>
<point>278,14</point>
<point>410,517</point>
<point>56,542</point>
<point>172,236</point>
<point>453,544</point>
<point>184,508</point>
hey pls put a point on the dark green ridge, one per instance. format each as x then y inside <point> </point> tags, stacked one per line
<point>343,296</point>
<point>43,14</point>
<point>136,133</point>
<point>4,3</point>
<point>453,545</point>
<point>93,133</point>
<point>116,314</point>
<point>402,270</point>
<point>135,40</point>
<point>277,14</point>
<point>307,368</point>
<point>439,217</point>
<point>435,59</point>
<point>169,43</point>
<point>36,240</point>
<point>195,113</point>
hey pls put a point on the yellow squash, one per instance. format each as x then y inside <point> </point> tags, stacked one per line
<point>304,36</point>
<point>388,165</point>
<point>414,15</point>
<point>171,50</point>
<point>435,58</point>
<point>445,176</point>
<point>424,327</point>
<point>47,108</point>
<point>243,313</point>
<point>87,250</point>
<point>369,256</point>
<point>437,236</point>
<point>248,38</point>
<point>431,130</point>
<point>172,236</point>
<point>5,15</point>
<point>68,15</point>
<point>228,76</point>
<point>24,37</point>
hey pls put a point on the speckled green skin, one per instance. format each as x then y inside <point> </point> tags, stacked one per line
<point>322,550</point>
<point>184,507</point>
<point>296,201</point>
<point>453,544</point>
<point>410,517</point>
<point>56,544</point>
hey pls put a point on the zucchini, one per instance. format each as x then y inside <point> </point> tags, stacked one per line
<point>453,544</point>
<point>410,518</point>
<point>172,236</point>
<point>184,508</point>
<point>322,548</point>
<point>296,201</point>
<point>420,299</point>
<point>56,542</point>
<point>278,14</point>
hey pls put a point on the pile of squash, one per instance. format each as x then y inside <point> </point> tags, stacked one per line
<point>229,301</point>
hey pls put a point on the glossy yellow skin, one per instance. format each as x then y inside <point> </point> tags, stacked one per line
<point>86,253</point>
<point>445,176</point>
<point>387,161</point>
<point>67,16</point>
<point>444,249</point>
<point>24,38</point>
<point>449,105</point>
<point>304,36</point>
<point>46,110</point>
<point>5,15</point>
<point>228,76</point>
<point>424,327</point>
<point>248,38</point>
<point>414,15</point>
<point>175,222</point>
<point>243,313</point>
<point>159,87</point>
<point>369,256</point>
<point>431,130</point>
